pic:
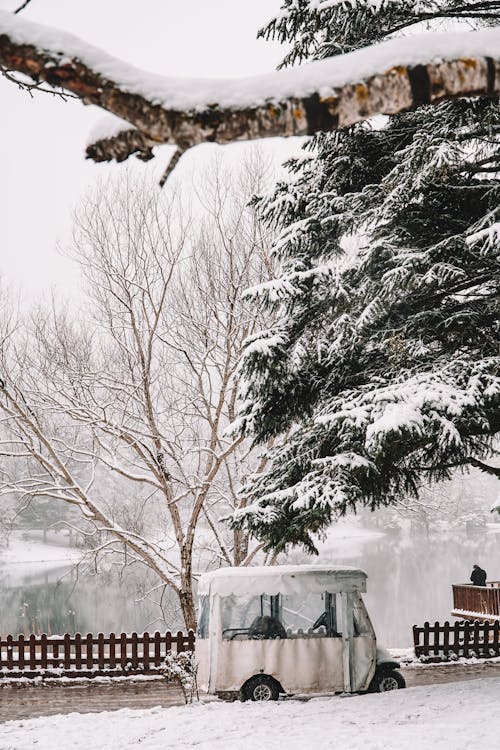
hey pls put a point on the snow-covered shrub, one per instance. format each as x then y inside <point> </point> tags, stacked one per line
<point>182,668</point>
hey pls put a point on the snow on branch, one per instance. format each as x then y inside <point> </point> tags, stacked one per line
<point>387,78</point>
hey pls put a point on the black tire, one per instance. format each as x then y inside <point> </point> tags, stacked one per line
<point>261,688</point>
<point>389,679</point>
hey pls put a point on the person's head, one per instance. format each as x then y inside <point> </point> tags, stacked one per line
<point>475,567</point>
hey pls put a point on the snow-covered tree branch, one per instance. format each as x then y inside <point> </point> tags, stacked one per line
<point>391,77</point>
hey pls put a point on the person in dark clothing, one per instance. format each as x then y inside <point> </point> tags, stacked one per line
<point>478,576</point>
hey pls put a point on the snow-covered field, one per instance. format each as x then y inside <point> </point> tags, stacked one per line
<point>460,716</point>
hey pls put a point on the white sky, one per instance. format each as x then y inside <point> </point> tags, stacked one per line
<point>42,167</point>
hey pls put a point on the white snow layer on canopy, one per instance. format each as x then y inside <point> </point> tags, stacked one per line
<point>322,5</point>
<point>185,94</point>
<point>290,579</point>
<point>408,407</point>
<point>394,418</point>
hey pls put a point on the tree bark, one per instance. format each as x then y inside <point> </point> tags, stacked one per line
<point>397,89</point>
<point>186,591</point>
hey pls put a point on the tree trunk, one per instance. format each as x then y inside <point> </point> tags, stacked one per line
<point>186,597</point>
<point>240,545</point>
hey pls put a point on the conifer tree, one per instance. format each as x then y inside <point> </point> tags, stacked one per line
<point>380,369</point>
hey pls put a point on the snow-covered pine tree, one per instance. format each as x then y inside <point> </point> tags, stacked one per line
<point>381,368</point>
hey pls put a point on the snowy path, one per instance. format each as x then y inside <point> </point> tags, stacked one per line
<point>23,700</point>
<point>459,716</point>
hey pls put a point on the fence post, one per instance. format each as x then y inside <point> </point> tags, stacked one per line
<point>180,641</point>
<point>477,625</point>
<point>10,654</point>
<point>416,640</point>
<point>446,638</point>
<point>123,650</point>
<point>191,640</point>
<point>100,650</point>
<point>89,648</point>
<point>54,647</point>
<point>436,638</point>
<point>78,651</point>
<point>486,639</point>
<point>456,639</point>
<point>112,651</point>
<point>466,638</point>
<point>43,651</point>
<point>20,651</point>
<point>496,628</point>
<point>426,639</point>
<point>168,642</point>
<point>157,655</point>
<point>134,658</point>
<point>145,651</point>
<point>67,651</point>
<point>32,652</point>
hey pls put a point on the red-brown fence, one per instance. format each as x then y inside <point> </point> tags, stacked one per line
<point>89,655</point>
<point>476,601</point>
<point>468,639</point>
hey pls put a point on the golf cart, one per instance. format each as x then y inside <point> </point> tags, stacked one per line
<point>288,629</point>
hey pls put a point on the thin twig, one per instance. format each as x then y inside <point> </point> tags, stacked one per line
<point>22,7</point>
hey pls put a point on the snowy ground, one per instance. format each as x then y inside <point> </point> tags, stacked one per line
<point>461,716</point>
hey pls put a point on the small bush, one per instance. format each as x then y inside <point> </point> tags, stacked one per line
<point>182,668</point>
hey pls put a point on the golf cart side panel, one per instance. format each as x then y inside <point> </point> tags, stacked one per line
<point>364,661</point>
<point>364,656</point>
<point>203,663</point>
<point>299,664</point>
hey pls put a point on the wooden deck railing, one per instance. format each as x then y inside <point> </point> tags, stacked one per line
<point>468,639</point>
<point>474,602</point>
<point>89,655</point>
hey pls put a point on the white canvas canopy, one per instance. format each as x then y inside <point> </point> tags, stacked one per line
<point>292,579</point>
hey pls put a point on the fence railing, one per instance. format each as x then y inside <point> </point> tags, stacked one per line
<point>473,601</point>
<point>468,639</point>
<point>89,655</point>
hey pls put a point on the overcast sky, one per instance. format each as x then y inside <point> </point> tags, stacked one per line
<point>43,171</point>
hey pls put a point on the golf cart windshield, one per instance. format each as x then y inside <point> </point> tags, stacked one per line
<point>288,601</point>
<point>278,616</point>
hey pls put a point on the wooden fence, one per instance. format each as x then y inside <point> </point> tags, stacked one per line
<point>468,639</point>
<point>476,601</point>
<point>89,655</point>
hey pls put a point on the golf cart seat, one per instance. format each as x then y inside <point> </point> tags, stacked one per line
<point>264,627</point>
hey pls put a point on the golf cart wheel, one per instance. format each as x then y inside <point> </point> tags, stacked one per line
<point>261,688</point>
<point>390,680</point>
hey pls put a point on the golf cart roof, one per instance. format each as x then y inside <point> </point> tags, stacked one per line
<point>282,579</point>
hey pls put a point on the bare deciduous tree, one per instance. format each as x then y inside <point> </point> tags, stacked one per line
<point>139,390</point>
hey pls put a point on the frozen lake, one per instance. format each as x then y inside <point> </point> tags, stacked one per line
<point>409,581</point>
<point>410,575</point>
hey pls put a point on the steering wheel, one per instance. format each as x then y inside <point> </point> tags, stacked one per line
<point>321,620</point>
